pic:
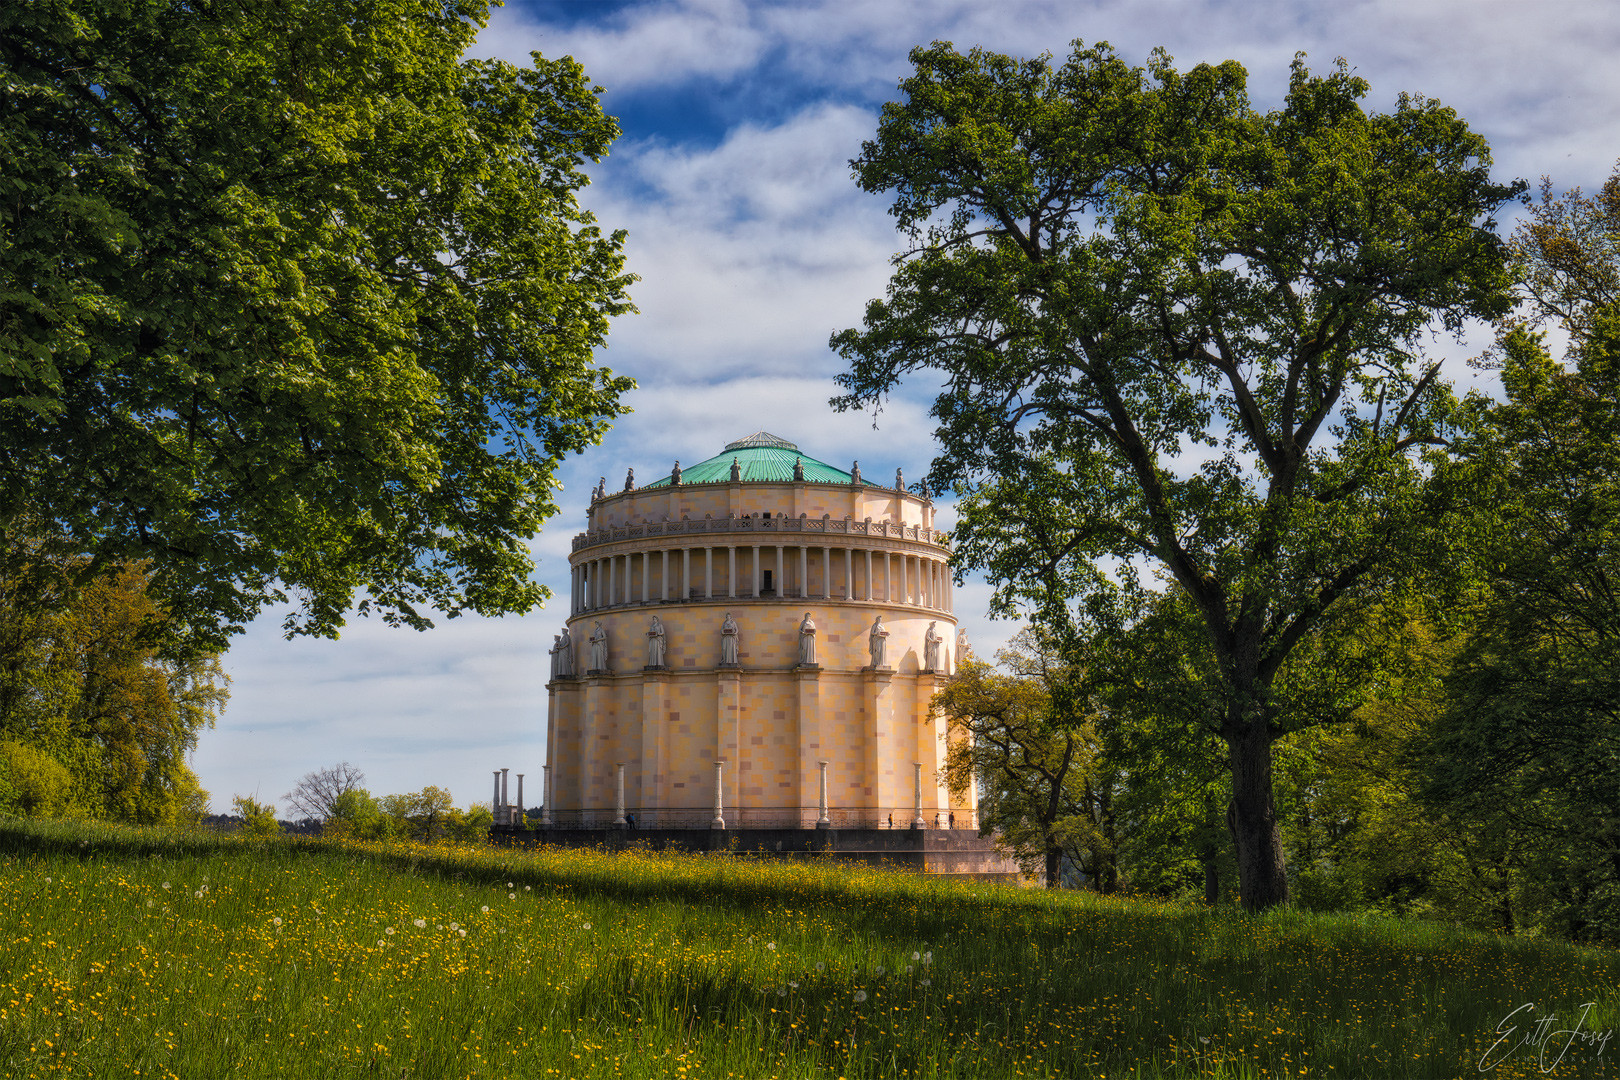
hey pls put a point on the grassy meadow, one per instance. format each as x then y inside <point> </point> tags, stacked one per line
<point>165,954</point>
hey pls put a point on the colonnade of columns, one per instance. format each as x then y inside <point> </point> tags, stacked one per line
<point>610,580</point>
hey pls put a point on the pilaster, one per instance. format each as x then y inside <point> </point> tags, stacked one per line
<point>654,743</point>
<point>811,741</point>
<point>879,786</point>
<point>728,737</point>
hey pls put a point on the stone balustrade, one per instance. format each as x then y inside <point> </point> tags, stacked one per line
<point>825,525</point>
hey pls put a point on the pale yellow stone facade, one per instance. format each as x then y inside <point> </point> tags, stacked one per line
<point>767,553</point>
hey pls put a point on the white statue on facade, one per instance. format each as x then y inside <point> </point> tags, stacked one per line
<point>807,641</point>
<point>931,643</point>
<point>599,648</point>
<point>962,648</point>
<point>877,642</point>
<point>564,662</point>
<point>655,643</point>
<point>728,642</point>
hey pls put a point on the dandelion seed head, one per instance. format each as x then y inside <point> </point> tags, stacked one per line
<point>419,923</point>
<point>860,996</point>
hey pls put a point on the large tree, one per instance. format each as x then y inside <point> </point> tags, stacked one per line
<point>294,299</point>
<point>1178,331</point>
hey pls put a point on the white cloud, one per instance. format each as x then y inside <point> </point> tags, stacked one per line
<point>641,46</point>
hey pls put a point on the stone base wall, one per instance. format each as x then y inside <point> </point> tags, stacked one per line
<point>953,853</point>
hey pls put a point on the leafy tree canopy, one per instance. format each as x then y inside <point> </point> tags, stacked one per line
<point>1174,330</point>
<point>294,299</point>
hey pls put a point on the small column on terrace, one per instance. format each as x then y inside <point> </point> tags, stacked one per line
<point>826,572</point>
<point>731,571</point>
<point>663,586</point>
<point>868,575</point>
<point>646,574</point>
<point>781,582</point>
<point>545,807</point>
<point>916,795</point>
<point>618,801</point>
<point>719,821</point>
<point>823,822</point>
<point>708,572</point>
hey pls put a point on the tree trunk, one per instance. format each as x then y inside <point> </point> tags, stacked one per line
<point>1252,817</point>
<point>1054,867</point>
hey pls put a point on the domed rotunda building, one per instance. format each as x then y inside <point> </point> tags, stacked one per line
<point>753,643</point>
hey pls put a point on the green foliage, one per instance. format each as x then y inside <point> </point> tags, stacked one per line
<point>31,781</point>
<point>258,819</point>
<point>1043,786</point>
<point>656,965</point>
<point>1173,329</point>
<point>83,680</point>
<point>296,300</point>
<point>355,813</point>
<point>1533,717</point>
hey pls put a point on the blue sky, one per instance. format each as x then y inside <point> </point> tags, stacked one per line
<point>753,245</point>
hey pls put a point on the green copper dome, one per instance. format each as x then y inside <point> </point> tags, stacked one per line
<point>760,456</point>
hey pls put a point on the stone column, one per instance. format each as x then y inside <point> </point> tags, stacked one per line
<point>905,586</point>
<point>849,573</point>
<point>826,572</point>
<point>522,818</point>
<point>618,802</point>
<point>506,800</point>
<point>646,574</point>
<point>781,582</point>
<point>758,571</point>
<point>731,571</point>
<point>804,571</point>
<point>545,805</point>
<point>719,821</point>
<point>916,795</point>
<point>823,822</point>
<point>610,578</point>
<point>708,572</point>
<point>868,574</point>
<point>495,800</point>
<point>686,574</point>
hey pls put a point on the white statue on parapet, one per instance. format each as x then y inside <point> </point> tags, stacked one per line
<point>931,643</point>
<point>564,662</point>
<point>728,642</point>
<point>807,641</point>
<point>877,640</point>
<point>655,644</point>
